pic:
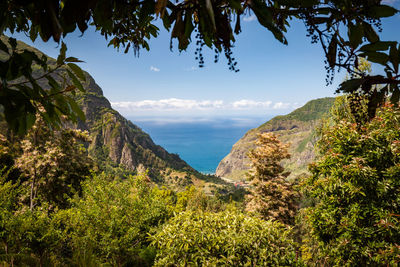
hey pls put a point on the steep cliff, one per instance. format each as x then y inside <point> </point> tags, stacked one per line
<point>296,128</point>
<point>117,145</point>
<point>116,139</point>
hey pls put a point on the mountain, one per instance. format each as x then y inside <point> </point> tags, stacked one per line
<point>296,128</point>
<point>119,146</point>
<point>117,140</point>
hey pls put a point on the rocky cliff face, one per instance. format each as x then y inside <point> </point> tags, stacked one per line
<point>116,142</point>
<point>119,140</point>
<point>119,147</point>
<point>296,128</point>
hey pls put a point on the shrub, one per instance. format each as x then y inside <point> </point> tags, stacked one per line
<point>113,219</point>
<point>356,188</point>
<point>221,239</point>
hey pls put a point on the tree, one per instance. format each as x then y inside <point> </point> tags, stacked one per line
<point>54,163</point>
<point>271,195</point>
<point>356,190</point>
<point>345,30</point>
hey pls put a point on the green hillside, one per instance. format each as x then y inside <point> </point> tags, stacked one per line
<point>296,128</point>
<point>119,146</point>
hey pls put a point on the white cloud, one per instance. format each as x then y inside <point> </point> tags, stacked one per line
<point>281,105</point>
<point>250,18</point>
<point>246,104</point>
<point>152,68</point>
<point>169,104</point>
<point>176,104</point>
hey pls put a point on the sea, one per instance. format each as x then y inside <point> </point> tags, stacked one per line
<point>201,142</point>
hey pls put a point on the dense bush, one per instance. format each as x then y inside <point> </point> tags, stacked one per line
<point>26,237</point>
<point>228,238</point>
<point>113,218</point>
<point>356,189</point>
<point>195,199</point>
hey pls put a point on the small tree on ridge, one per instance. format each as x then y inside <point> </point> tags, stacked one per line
<point>272,196</point>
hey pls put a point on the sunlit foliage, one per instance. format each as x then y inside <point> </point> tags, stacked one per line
<point>228,238</point>
<point>271,195</point>
<point>356,190</point>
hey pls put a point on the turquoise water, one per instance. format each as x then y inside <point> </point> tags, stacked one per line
<point>200,142</point>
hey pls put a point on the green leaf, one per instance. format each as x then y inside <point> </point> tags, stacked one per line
<point>332,51</point>
<point>210,12</point>
<point>370,33</point>
<point>75,81</point>
<point>264,17</point>
<point>376,57</point>
<point>188,25</point>
<point>75,108</point>
<point>382,11</point>
<point>395,95</point>
<point>12,42</point>
<point>394,57</point>
<point>33,33</point>
<point>73,59</point>
<point>54,84</point>
<point>355,33</point>
<point>127,48</point>
<point>350,86</point>
<point>166,22</point>
<point>238,29</point>
<point>77,70</point>
<point>235,4</point>
<point>61,56</point>
<point>3,47</point>
<point>377,46</point>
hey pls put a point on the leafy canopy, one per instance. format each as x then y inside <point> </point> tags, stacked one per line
<point>356,188</point>
<point>345,29</point>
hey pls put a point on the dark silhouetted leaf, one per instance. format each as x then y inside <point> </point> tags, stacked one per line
<point>264,17</point>
<point>394,57</point>
<point>378,46</point>
<point>73,59</point>
<point>395,95</point>
<point>350,86</point>
<point>376,57</point>
<point>61,56</point>
<point>382,11</point>
<point>332,51</point>
<point>370,33</point>
<point>355,33</point>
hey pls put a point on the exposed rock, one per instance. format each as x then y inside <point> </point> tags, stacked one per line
<point>297,128</point>
<point>119,139</point>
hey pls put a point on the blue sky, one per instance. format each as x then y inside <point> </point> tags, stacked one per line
<point>273,78</point>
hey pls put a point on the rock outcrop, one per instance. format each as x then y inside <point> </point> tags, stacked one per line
<point>296,128</point>
<point>119,140</point>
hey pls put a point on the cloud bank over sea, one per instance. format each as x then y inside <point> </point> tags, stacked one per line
<point>191,106</point>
